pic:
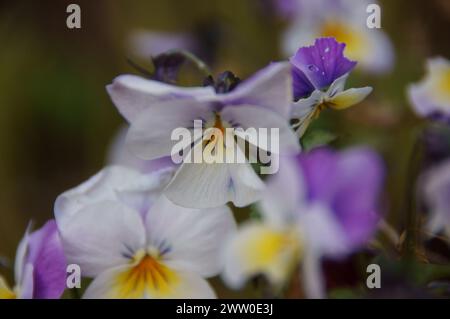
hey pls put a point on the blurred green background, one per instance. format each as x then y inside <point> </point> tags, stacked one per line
<point>56,119</point>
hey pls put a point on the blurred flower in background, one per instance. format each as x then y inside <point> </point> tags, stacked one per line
<point>344,20</point>
<point>431,97</point>
<point>435,186</point>
<point>319,204</point>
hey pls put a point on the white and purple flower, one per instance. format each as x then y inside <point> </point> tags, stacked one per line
<point>319,74</point>
<point>156,109</point>
<point>431,96</point>
<point>135,243</point>
<point>40,266</point>
<point>320,204</point>
<point>344,20</point>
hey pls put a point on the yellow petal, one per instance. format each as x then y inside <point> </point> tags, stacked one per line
<point>348,98</point>
<point>261,249</point>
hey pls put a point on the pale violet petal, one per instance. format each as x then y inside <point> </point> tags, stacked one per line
<point>270,88</point>
<point>105,185</point>
<point>322,233</point>
<point>101,236</point>
<point>337,86</point>
<point>190,239</point>
<point>285,193</point>
<point>150,136</point>
<point>133,94</point>
<point>256,118</point>
<point>312,276</point>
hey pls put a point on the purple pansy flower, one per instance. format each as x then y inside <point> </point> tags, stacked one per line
<point>156,109</point>
<point>317,67</point>
<point>320,204</point>
<point>345,20</point>
<point>319,74</point>
<point>40,266</point>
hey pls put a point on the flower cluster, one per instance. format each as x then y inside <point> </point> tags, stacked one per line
<point>145,227</point>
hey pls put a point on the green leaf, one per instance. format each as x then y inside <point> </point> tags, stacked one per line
<point>316,138</point>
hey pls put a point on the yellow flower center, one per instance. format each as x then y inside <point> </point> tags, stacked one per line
<point>148,277</point>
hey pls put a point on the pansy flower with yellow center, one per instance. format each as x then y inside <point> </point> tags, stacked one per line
<point>40,266</point>
<point>344,20</point>
<point>319,75</point>
<point>135,243</point>
<point>431,97</point>
<point>155,110</point>
<point>319,204</point>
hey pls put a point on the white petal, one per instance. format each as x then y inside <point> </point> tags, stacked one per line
<point>21,253</point>
<point>285,193</point>
<point>150,135</point>
<point>102,186</point>
<point>26,286</point>
<point>110,285</point>
<point>312,277</point>
<point>303,107</point>
<point>260,249</point>
<point>192,238</point>
<point>349,98</point>
<point>337,86</point>
<point>254,117</point>
<point>201,185</point>
<point>101,236</point>
<point>132,94</point>
<point>321,231</point>
<point>270,88</point>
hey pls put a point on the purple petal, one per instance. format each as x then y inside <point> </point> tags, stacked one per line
<point>349,183</point>
<point>47,256</point>
<point>323,62</point>
<point>301,85</point>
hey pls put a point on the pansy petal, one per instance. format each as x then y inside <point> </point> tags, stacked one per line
<point>285,193</point>
<point>349,98</point>
<point>150,135</point>
<point>21,253</point>
<point>120,155</point>
<point>132,94</point>
<point>47,256</point>
<point>270,88</point>
<point>435,186</point>
<point>26,287</point>
<point>102,235</point>
<point>116,283</point>
<point>260,249</point>
<point>5,290</point>
<point>102,186</point>
<point>253,117</point>
<point>184,237</point>
<point>323,62</point>
<point>312,277</point>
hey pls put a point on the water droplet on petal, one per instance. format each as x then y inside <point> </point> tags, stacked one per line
<point>313,68</point>
<point>327,49</point>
